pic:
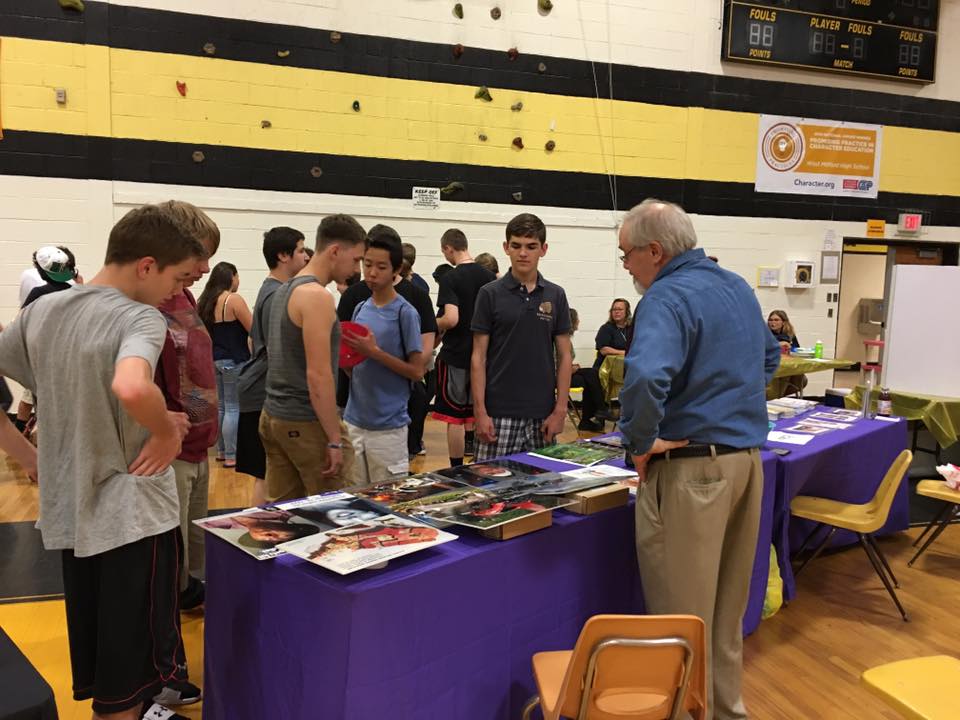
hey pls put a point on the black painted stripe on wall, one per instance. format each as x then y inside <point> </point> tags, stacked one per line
<point>171,32</point>
<point>73,156</point>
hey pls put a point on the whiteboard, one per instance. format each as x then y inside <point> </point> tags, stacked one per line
<point>922,350</point>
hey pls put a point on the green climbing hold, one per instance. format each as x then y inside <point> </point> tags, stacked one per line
<point>72,5</point>
<point>483,94</point>
<point>452,189</point>
<point>545,5</point>
<point>458,10</point>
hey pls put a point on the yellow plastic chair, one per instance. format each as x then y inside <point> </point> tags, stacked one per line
<point>573,412</point>
<point>864,520</point>
<point>938,490</point>
<point>919,689</point>
<point>625,667</point>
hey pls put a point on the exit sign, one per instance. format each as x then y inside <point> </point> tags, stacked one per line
<point>909,223</point>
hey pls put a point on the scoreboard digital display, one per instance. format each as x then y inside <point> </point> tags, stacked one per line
<point>886,38</point>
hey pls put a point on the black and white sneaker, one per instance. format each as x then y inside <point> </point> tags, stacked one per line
<point>159,712</point>
<point>178,692</point>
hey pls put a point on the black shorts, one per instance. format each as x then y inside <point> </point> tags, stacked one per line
<point>123,621</point>
<point>453,403</point>
<point>251,457</point>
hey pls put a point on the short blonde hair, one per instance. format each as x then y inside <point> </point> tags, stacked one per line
<point>196,220</point>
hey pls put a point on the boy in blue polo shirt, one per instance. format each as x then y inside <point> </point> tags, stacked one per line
<point>376,413</point>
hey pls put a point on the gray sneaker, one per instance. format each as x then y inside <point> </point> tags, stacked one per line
<point>178,692</point>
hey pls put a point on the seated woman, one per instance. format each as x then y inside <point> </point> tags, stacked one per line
<point>782,330</point>
<point>613,337</point>
<point>594,411</point>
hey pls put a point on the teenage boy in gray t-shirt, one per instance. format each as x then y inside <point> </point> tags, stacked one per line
<point>108,496</point>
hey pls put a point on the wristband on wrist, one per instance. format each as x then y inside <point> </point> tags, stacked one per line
<point>335,446</point>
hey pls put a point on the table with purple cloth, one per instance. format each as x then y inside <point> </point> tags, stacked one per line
<point>448,632</point>
<point>445,633</point>
<point>846,465</point>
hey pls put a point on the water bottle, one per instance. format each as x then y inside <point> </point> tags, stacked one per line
<point>884,403</point>
<point>818,349</point>
<point>867,396</point>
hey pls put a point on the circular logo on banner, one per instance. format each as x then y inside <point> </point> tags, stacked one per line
<point>782,147</point>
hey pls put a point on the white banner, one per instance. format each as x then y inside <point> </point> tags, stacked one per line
<point>818,157</point>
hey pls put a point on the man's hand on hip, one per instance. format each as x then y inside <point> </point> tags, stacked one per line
<point>659,447</point>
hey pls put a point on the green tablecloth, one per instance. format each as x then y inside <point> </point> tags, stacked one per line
<point>940,415</point>
<point>787,377</point>
<point>611,373</point>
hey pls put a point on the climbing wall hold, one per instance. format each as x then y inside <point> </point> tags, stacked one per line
<point>518,142</point>
<point>542,67</point>
<point>458,10</point>
<point>210,49</point>
<point>482,137</point>
<point>518,196</point>
<point>550,146</point>
<point>512,53</point>
<point>457,50</point>
<point>452,189</point>
<point>545,6</point>
<point>198,156</point>
<point>283,53</point>
<point>182,88</point>
<point>266,124</point>
<point>517,106</point>
<point>316,171</point>
<point>335,37</point>
<point>72,5</point>
<point>356,106</point>
<point>483,94</point>
<point>495,13</point>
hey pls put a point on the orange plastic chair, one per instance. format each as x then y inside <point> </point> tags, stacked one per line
<point>626,667</point>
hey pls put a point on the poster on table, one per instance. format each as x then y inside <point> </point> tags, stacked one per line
<point>259,531</point>
<point>366,544</point>
<point>499,509</point>
<point>803,156</point>
<point>415,487</point>
<point>494,472</point>
<point>580,453</point>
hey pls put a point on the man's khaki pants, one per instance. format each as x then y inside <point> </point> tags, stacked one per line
<point>296,453</point>
<point>697,522</point>
<point>193,485</point>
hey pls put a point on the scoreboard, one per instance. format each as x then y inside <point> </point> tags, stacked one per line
<point>885,38</point>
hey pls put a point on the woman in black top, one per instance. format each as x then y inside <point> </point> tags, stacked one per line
<point>782,330</point>
<point>613,337</point>
<point>228,319</point>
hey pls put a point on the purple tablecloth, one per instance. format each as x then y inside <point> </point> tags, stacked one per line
<point>845,465</point>
<point>444,633</point>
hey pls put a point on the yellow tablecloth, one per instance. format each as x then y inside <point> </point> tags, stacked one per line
<point>611,373</point>
<point>791,367</point>
<point>940,415</point>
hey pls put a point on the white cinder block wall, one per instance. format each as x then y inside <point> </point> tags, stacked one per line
<point>672,34</point>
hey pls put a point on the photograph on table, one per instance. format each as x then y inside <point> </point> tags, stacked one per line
<point>367,544</point>
<point>408,488</point>
<point>258,531</point>
<point>832,424</point>
<point>434,504</point>
<point>810,428</point>
<point>494,473</point>
<point>500,509</point>
<point>587,478</point>
<point>580,453</point>
<point>843,416</point>
<point>614,441</point>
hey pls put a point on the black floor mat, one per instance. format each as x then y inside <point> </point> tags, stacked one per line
<point>27,571</point>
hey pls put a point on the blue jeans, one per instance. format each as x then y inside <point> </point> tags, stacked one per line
<point>228,372</point>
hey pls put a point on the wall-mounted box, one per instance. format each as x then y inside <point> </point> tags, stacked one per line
<point>799,274</point>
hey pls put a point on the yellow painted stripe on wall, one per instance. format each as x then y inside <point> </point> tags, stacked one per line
<point>133,94</point>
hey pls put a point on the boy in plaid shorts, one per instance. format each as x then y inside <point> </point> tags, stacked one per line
<point>521,362</point>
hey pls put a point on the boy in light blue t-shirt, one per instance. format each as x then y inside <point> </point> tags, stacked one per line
<point>376,413</point>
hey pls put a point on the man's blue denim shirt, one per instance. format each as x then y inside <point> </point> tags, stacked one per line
<point>700,360</point>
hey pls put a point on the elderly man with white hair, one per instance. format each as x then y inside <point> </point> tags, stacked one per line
<point>693,417</point>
